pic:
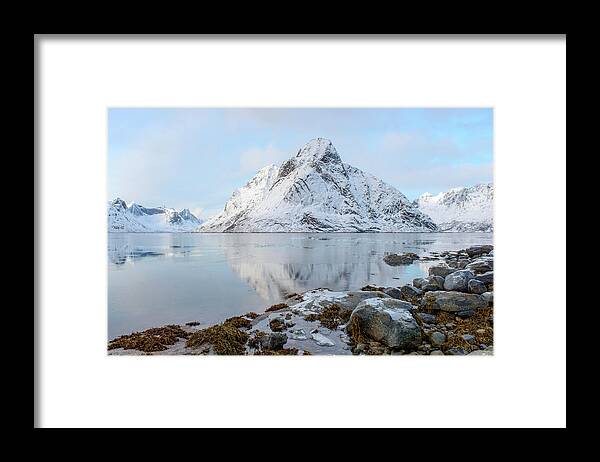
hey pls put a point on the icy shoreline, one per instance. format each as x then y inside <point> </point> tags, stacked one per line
<point>448,313</point>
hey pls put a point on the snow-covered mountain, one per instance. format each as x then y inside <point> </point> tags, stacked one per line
<point>461,209</point>
<point>315,191</point>
<point>134,218</point>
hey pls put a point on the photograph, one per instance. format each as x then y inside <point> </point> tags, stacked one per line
<point>300,231</point>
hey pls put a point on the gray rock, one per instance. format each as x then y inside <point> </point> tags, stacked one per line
<point>419,282</point>
<point>437,280</point>
<point>409,293</point>
<point>393,292</point>
<point>465,313</point>
<point>440,270</point>
<point>430,287</point>
<point>274,341</point>
<point>479,266</point>
<point>452,301</point>
<point>436,353</point>
<point>469,338</point>
<point>486,278</point>
<point>459,280</point>
<point>489,351</point>
<point>456,352</point>
<point>437,338</point>
<point>489,297</point>
<point>425,317</point>
<point>478,250</point>
<point>476,287</point>
<point>388,321</point>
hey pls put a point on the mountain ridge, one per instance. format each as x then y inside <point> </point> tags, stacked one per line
<point>135,218</point>
<point>462,209</point>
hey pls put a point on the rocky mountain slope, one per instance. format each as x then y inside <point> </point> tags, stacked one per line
<point>134,218</point>
<point>314,191</point>
<point>461,209</point>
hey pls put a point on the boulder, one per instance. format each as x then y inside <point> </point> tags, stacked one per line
<point>426,318</point>
<point>441,270</point>
<point>479,266</point>
<point>274,341</point>
<point>459,280</point>
<point>489,297</point>
<point>465,313</point>
<point>419,282</point>
<point>394,293</point>
<point>478,250</point>
<point>409,293</point>
<point>476,286</point>
<point>486,278</point>
<point>469,339</point>
<point>429,287</point>
<point>437,338</point>
<point>452,301</point>
<point>387,321</point>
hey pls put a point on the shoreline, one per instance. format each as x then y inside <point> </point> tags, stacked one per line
<point>450,312</point>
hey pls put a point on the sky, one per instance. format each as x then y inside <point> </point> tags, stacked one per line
<point>196,158</point>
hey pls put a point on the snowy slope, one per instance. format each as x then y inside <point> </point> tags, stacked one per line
<point>134,218</point>
<point>461,209</point>
<point>316,191</point>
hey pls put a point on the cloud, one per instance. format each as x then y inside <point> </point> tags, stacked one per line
<point>252,160</point>
<point>142,171</point>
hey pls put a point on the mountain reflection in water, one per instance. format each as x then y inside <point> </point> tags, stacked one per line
<point>156,279</point>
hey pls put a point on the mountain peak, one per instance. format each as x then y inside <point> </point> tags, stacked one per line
<point>315,191</point>
<point>319,149</point>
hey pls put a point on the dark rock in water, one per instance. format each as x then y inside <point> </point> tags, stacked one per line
<point>387,321</point>
<point>459,280</point>
<point>440,270</point>
<point>478,250</point>
<point>403,259</point>
<point>425,317</point>
<point>477,287</point>
<point>393,292</point>
<point>409,293</point>
<point>452,301</point>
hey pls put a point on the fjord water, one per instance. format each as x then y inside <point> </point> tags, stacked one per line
<point>156,279</point>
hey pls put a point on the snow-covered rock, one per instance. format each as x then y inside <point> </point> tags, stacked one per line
<point>135,218</point>
<point>315,191</point>
<point>461,209</point>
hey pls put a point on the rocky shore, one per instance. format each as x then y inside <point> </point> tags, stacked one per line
<point>450,312</point>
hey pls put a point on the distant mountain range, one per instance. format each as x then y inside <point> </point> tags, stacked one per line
<point>314,191</point>
<point>135,218</point>
<point>461,209</point>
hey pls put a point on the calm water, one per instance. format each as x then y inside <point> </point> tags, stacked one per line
<point>157,279</point>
